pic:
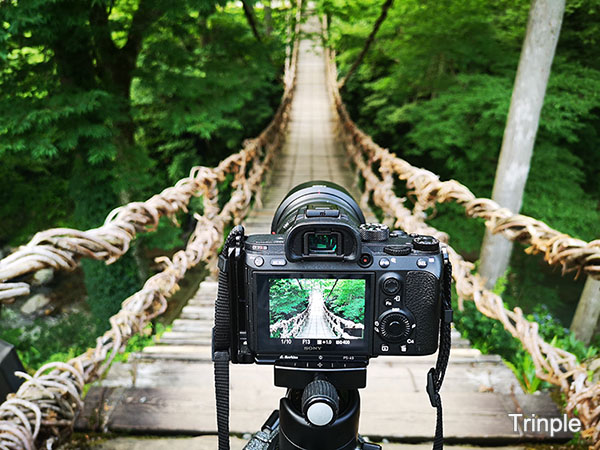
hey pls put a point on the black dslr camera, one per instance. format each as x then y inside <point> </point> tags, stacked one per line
<point>322,294</point>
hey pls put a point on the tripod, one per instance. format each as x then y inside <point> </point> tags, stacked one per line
<point>314,414</point>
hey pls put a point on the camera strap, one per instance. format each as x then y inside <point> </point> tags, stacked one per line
<point>221,337</point>
<point>436,374</point>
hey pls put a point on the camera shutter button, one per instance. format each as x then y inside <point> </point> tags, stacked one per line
<point>259,261</point>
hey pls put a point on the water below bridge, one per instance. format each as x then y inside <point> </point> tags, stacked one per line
<point>168,388</point>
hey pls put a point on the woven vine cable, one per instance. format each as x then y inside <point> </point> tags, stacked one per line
<point>553,364</point>
<point>42,412</point>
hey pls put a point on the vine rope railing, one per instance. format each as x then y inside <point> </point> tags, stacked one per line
<point>552,364</point>
<point>290,327</point>
<point>340,325</point>
<point>42,412</point>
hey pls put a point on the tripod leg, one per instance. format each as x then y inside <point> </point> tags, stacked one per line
<point>363,445</point>
<point>268,437</point>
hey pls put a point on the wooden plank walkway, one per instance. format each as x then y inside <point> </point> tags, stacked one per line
<point>168,387</point>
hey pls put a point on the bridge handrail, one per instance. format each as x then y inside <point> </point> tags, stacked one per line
<point>291,326</point>
<point>552,364</point>
<point>43,410</point>
<point>426,188</point>
<point>340,324</point>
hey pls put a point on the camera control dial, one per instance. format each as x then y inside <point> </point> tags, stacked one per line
<point>394,326</point>
<point>426,244</point>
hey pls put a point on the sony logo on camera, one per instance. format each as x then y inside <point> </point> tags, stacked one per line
<point>325,290</point>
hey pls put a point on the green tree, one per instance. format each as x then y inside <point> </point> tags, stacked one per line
<point>347,299</point>
<point>435,88</point>
<point>97,97</point>
<point>287,298</point>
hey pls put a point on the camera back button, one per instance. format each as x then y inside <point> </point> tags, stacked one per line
<point>278,262</point>
<point>259,261</point>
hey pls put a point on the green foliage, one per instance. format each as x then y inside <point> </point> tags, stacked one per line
<point>551,330</point>
<point>166,237</point>
<point>196,100</point>
<point>531,283</point>
<point>64,338</point>
<point>346,299</point>
<point>489,336</point>
<point>109,286</point>
<point>287,298</point>
<point>42,342</point>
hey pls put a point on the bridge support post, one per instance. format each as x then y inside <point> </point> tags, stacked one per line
<point>587,315</point>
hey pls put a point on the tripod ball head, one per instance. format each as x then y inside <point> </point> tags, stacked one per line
<point>320,403</point>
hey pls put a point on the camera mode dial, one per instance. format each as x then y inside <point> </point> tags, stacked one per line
<point>374,232</point>
<point>394,326</point>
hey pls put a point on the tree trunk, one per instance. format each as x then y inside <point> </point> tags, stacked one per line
<point>587,315</point>
<point>384,10</point>
<point>268,19</point>
<point>543,29</point>
<point>249,13</point>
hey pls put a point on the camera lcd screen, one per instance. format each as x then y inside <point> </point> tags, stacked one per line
<point>317,309</point>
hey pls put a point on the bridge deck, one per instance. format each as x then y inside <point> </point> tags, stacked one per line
<point>168,387</point>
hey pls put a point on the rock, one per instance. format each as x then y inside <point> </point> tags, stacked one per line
<point>35,303</point>
<point>43,276</point>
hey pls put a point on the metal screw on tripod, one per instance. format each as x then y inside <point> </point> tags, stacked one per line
<point>320,403</point>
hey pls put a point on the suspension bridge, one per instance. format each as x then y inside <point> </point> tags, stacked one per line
<point>315,322</point>
<point>167,388</point>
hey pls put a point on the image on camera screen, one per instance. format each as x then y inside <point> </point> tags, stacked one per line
<point>317,308</point>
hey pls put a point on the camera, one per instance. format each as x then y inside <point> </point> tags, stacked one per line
<point>317,298</point>
<point>327,291</point>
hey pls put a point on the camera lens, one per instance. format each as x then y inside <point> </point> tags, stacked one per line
<point>319,194</point>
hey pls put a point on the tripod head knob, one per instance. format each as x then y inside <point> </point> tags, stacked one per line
<point>320,403</point>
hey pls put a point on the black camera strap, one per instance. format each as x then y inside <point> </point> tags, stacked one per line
<point>436,374</point>
<point>221,341</point>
